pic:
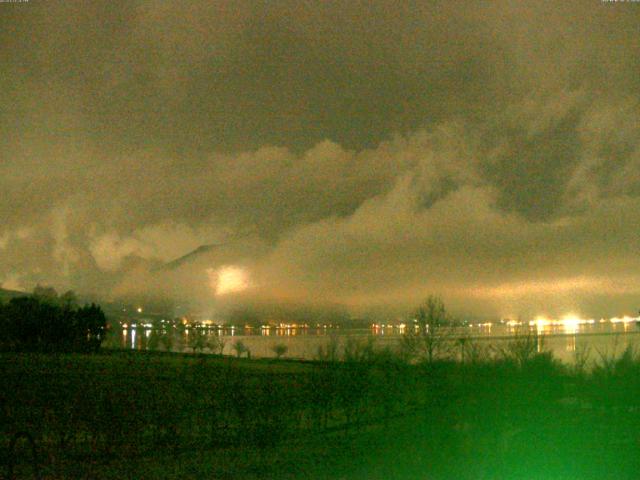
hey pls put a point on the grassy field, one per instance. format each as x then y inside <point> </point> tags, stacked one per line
<point>153,415</point>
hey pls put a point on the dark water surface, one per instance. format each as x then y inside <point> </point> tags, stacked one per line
<point>567,339</point>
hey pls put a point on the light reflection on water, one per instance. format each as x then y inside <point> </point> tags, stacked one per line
<point>564,340</point>
<point>571,343</point>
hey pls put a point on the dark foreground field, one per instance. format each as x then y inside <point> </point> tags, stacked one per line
<point>132,415</point>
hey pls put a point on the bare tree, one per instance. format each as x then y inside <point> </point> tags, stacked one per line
<point>198,340</point>
<point>279,349</point>
<point>166,339</point>
<point>217,345</point>
<point>240,348</point>
<point>428,338</point>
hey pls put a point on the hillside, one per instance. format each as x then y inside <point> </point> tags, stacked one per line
<point>6,295</point>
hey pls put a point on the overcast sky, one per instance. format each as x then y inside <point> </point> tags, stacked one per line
<point>344,152</point>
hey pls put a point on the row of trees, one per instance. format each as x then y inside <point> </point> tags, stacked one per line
<point>45,321</point>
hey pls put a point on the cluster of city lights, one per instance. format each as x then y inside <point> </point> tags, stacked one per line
<point>569,323</point>
<point>571,320</point>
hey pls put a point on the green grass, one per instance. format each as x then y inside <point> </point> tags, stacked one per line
<point>154,415</point>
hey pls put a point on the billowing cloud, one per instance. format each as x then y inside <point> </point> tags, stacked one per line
<point>329,153</point>
<point>161,242</point>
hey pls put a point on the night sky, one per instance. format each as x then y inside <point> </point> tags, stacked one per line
<point>359,153</point>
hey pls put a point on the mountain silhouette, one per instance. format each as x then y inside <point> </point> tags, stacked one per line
<point>202,251</point>
<point>193,255</point>
<point>6,295</point>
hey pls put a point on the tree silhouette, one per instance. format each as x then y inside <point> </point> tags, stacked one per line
<point>428,338</point>
<point>42,322</point>
<point>279,349</point>
<point>240,348</point>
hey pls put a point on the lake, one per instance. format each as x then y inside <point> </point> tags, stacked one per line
<point>567,338</point>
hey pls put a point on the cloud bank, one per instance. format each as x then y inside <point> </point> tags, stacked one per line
<point>337,153</point>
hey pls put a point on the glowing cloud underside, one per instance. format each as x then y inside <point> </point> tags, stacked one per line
<point>581,284</point>
<point>228,279</point>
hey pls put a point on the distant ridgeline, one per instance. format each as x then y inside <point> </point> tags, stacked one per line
<point>6,295</point>
<point>46,321</point>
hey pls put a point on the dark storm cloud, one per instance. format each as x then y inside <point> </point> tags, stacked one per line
<point>224,75</point>
<point>363,151</point>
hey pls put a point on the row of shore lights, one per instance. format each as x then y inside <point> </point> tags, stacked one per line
<point>539,322</point>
